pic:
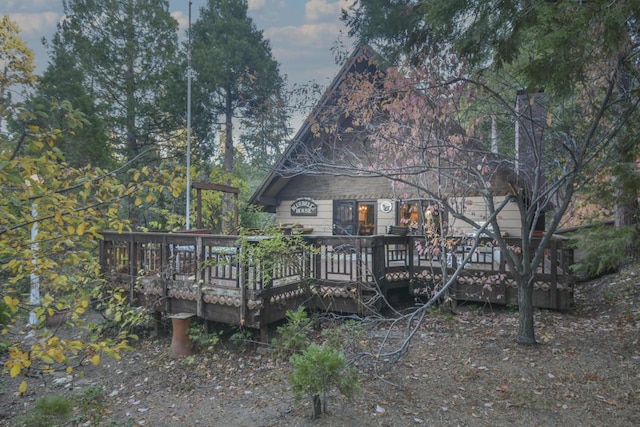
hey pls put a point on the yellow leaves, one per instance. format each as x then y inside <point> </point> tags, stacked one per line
<point>80,229</point>
<point>17,360</point>
<point>15,370</point>
<point>95,359</point>
<point>137,201</point>
<point>12,303</point>
<point>46,359</point>
<point>23,387</point>
<point>76,345</point>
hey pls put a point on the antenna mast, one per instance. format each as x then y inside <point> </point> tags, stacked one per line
<point>189,72</point>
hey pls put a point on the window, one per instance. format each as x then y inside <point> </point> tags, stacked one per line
<point>366,218</point>
<point>422,216</point>
<point>352,217</point>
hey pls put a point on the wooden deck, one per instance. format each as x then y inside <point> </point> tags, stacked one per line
<point>202,274</point>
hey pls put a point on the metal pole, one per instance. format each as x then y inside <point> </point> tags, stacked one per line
<point>188,208</point>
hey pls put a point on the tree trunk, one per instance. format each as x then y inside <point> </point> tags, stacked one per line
<point>526,332</point>
<point>626,193</point>
<point>228,133</point>
<point>626,198</point>
<point>316,403</point>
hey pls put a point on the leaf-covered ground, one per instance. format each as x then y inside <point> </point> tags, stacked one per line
<point>460,369</point>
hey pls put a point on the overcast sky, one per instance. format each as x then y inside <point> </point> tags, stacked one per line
<point>301,32</point>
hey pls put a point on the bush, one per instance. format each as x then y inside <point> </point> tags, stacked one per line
<point>605,249</point>
<point>48,411</point>
<point>293,336</point>
<point>201,338</point>
<point>318,370</point>
<point>242,338</point>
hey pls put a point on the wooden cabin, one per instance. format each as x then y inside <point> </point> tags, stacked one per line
<point>330,204</point>
<point>366,236</point>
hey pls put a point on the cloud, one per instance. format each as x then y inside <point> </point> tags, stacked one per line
<point>257,4</point>
<point>27,6</point>
<point>305,51</point>
<point>318,9</point>
<point>308,35</point>
<point>183,21</point>
<point>34,25</point>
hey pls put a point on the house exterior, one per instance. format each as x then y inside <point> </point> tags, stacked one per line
<point>331,204</point>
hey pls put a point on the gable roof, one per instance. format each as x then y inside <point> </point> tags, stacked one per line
<point>270,186</point>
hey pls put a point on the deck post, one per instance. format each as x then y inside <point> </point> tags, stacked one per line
<point>411,245</point>
<point>242,284</point>
<point>165,271</point>
<point>133,266</point>
<point>157,323</point>
<point>553,259</point>
<point>379,264</point>
<point>264,315</point>
<point>198,267</point>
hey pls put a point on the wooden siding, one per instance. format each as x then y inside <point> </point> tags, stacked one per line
<point>336,188</point>
<point>476,209</point>
<point>322,224</point>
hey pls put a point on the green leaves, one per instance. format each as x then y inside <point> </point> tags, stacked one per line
<point>293,336</point>
<point>319,369</point>
<point>238,77</point>
<point>51,214</point>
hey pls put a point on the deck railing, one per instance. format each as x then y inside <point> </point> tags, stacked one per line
<point>338,274</point>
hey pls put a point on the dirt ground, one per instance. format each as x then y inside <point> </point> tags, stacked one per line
<point>461,369</point>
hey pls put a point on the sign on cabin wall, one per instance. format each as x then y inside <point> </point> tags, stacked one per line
<point>304,207</point>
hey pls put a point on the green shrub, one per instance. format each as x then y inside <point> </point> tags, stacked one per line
<point>318,370</point>
<point>605,249</point>
<point>48,411</point>
<point>293,336</point>
<point>242,338</point>
<point>200,337</point>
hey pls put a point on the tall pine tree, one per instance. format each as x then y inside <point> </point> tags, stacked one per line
<point>236,74</point>
<point>123,49</point>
